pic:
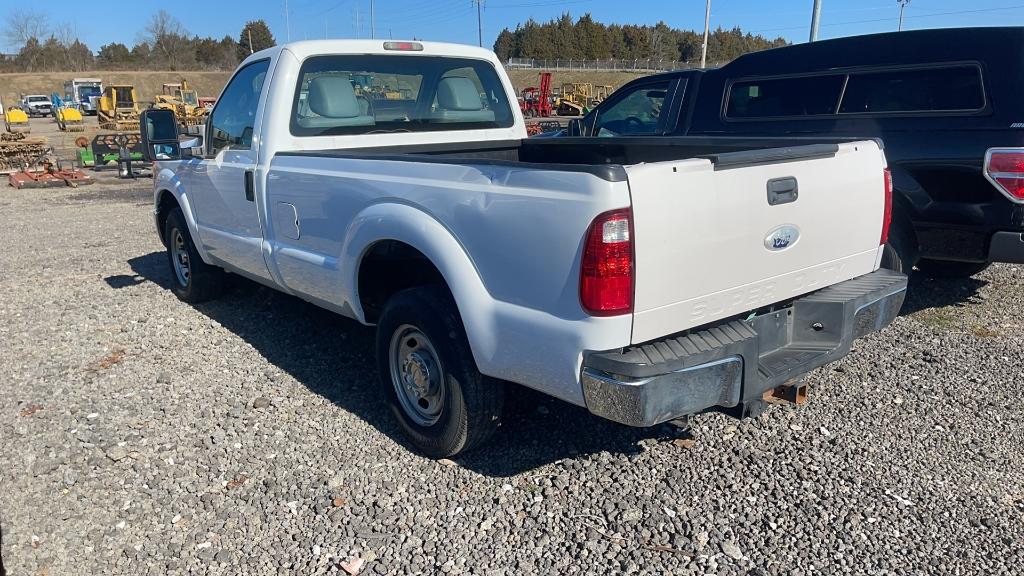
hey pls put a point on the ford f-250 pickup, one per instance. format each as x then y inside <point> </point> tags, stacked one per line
<point>392,182</point>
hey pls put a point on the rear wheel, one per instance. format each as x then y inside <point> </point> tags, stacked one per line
<point>193,280</point>
<point>949,268</point>
<point>900,251</point>
<point>429,378</point>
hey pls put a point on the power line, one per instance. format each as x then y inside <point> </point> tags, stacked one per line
<point>540,4</point>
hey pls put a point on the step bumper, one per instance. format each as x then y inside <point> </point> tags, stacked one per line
<point>739,360</point>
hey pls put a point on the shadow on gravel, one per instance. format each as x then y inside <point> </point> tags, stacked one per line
<point>924,293</point>
<point>334,357</point>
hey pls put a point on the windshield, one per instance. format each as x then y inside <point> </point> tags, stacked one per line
<point>85,92</point>
<point>38,99</point>
<point>384,93</point>
<point>189,97</point>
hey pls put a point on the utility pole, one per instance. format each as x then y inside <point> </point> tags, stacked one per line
<point>373,31</point>
<point>479,23</point>
<point>287,21</point>
<point>815,18</point>
<point>707,23</point>
<point>903,4</point>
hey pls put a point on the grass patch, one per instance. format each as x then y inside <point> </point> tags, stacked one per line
<point>937,319</point>
<point>985,332</point>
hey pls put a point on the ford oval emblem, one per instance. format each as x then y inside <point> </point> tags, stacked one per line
<point>782,237</point>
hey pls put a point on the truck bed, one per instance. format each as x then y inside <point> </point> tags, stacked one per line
<point>703,226</point>
<point>600,156</point>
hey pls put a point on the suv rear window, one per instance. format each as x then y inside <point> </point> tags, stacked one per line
<point>925,90</point>
<point>785,97</point>
<point>365,94</point>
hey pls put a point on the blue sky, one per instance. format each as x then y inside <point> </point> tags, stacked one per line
<point>455,20</point>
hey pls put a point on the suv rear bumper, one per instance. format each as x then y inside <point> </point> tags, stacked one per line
<point>1006,247</point>
<point>738,361</point>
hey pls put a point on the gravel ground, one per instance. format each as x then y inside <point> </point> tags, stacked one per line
<point>141,435</point>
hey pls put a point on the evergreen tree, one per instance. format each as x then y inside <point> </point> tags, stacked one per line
<point>259,34</point>
<point>564,39</point>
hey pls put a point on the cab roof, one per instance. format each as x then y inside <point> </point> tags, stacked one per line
<point>992,44</point>
<point>306,48</point>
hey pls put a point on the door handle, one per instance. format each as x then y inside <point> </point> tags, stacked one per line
<point>250,192</point>
<point>782,191</point>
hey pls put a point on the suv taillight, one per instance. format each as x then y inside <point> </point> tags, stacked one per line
<point>1004,168</point>
<point>606,276</point>
<point>887,214</point>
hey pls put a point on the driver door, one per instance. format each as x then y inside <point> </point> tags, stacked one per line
<point>222,182</point>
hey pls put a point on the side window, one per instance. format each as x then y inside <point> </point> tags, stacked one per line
<point>784,97</point>
<point>634,114</point>
<point>930,90</point>
<point>233,119</point>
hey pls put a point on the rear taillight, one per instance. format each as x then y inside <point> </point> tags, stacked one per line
<point>606,276</point>
<point>887,214</point>
<point>1004,167</point>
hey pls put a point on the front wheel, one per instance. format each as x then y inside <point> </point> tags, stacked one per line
<point>193,280</point>
<point>429,378</point>
<point>950,269</point>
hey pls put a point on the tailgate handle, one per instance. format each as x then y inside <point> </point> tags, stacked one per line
<point>782,191</point>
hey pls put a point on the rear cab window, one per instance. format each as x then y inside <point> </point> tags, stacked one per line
<point>365,94</point>
<point>950,88</point>
<point>929,90</point>
<point>785,97</point>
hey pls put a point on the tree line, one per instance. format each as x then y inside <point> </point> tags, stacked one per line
<point>164,44</point>
<point>563,38</point>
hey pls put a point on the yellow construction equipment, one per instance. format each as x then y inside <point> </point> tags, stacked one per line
<point>15,119</point>
<point>578,98</point>
<point>69,119</point>
<point>184,102</point>
<point>118,109</point>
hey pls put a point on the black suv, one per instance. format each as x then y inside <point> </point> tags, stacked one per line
<point>948,105</point>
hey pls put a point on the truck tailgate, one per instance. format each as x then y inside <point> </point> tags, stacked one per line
<point>719,236</point>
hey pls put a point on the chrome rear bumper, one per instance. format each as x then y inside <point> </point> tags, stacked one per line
<point>738,361</point>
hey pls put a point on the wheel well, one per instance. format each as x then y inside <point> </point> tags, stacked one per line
<point>164,206</point>
<point>388,267</point>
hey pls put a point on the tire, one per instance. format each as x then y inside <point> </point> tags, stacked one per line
<point>900,252</point>
<point>192,280</point>
<point>428,376</point>
<point>950,269</point>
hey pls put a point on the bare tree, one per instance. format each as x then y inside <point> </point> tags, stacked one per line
<point>168,39</point>
<point>24,24</point>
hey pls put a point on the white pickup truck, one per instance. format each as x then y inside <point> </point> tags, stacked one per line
<point>645,279</point>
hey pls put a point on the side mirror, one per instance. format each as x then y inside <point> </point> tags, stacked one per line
<point>159,135</point>
<point>575,127</point>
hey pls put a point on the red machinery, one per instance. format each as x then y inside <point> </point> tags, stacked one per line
<point>537,101</point>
